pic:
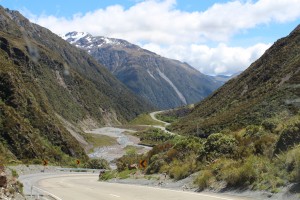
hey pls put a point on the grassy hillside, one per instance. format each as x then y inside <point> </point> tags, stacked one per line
<point>46,82</point>
<point>266,89</point>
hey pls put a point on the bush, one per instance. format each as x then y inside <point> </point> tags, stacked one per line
<point>289,137</point>
<point>14,173</point>
<point>182,169</point>
<point>239,176</point>
<point>126,160</point>
<point>270,124</point>
<point>171,154</point>
<point>189,144</point>
<point>258,172</point>
<point>108,175</point>
<point>265,145</point>
<point>126,173</point>
<point>37,161</point>
<point>179,171</point>
<point>219,144</point>
<point>97,164</point>
<point>155,166</point>
<point>292,162</point>
<point>203,179</point>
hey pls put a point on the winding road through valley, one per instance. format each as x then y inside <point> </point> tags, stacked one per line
<point>153,116</point>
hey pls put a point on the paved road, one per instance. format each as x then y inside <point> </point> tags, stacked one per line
<point>153,116</point>
<point>87,187</point>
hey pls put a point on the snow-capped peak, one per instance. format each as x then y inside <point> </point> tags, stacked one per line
<point>88,42</point>
<point>74,36</point>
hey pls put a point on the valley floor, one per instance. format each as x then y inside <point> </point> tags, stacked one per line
<point>124,140</point>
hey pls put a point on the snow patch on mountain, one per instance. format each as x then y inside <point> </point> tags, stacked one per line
<point>89,41</point>
<point>180,95</point>
<point>73,37</point>
<point>151,74</point>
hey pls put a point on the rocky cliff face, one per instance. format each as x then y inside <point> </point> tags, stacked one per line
<point>164,82</point>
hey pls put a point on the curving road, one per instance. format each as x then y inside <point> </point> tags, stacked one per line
<point>87,187</point>
<point>153,116</point>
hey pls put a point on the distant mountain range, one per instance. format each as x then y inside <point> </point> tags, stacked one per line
<point>48,87</point>
<point>164,82</point>
<point>224,78</point>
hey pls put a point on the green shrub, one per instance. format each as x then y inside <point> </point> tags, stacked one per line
<point>270,124</point>
<point>247,173</point>
<point>14,173</point>
<point>37,161</point>
<point>179,172</point>
<point>292,162</point>
<point>289,137</point>
<point>126,160</point>
<point>97,164</point>
<point>264,145</point>
<point>108,175</point>
<point>153,136</point>
<point>171,154</point>
<point>189,144</point>
<point>253,130</point>
<point>203,179</point>
<point>126,173</point>
<point>180,169</point>
<point>219,144</point>
<point>155,166</point>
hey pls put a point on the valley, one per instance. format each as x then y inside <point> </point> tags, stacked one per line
<point>85,116</point>
<point>124,140</point>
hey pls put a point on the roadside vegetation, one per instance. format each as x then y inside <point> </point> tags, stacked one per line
<point>257,157</point>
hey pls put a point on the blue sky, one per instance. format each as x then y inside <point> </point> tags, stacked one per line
<point>214,36</point>
<point>69,7</point>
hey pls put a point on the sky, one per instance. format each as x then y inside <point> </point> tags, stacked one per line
<point>214,36</point>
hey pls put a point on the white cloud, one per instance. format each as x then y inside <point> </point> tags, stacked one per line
<point>159,22</point>
<point>218,60</point>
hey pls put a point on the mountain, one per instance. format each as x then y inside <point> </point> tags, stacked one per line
<point>49,87</point>
<point>267,93</point>
<point>164,82</point>
<point>225,78</point>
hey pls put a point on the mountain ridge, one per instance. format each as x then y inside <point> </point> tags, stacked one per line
<point>46,83</point>
<point>164,82</point>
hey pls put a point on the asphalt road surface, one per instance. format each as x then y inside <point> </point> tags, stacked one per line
<point>87,187</point>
